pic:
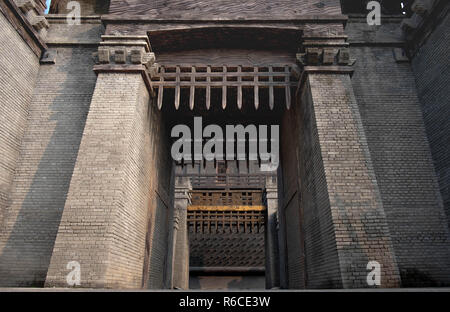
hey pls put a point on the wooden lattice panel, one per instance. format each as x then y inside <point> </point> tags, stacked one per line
<point>226,236</point>
<point>227,181</point>
<point>226,250</point>
<point>225,221</point>
<point>223,198</point>
<point>224,77</point>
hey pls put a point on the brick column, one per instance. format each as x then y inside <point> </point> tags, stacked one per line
<point>180,267</point>
<point>272,254</point>
<point>352,230</point>
<point>105,218</point>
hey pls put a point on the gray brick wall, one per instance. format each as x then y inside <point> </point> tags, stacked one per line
<point>106,214</point>
<point>225,8</point>
<point>342,222</point>
<point>115,220</point>
<point>312,259</point>
<point>390,110</point>
<point>161,201</point>
<point>97,195</point>
<point>88,7</point>
<point>431,67</point>
<point>18,71</point>
<point>49,149</point>
<point>353,203</point>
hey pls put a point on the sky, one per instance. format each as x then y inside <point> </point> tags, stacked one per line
<point>48,6</point>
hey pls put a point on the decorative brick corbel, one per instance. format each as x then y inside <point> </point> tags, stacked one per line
<point>400,55</point>
<point>25,5</point>
<point>136,56</point>
<point>103,56</point>
<point>18,13</point>
<point>422,7</point>
<point>329,56</point>
<point>325,57</point>
<point>127,54</point>
<point>344,56</point>
<point>39,22</point>
<point>120,56</point>
<point>410,24</point>
<point>149,62</point>
<point>325,49</point>
<point>148,59</point>
<point>313,56</point>
<point>328,59</point>
<point>48,57</point>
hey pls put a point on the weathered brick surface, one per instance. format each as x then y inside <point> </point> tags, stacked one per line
<point>18,71</point>
<point>387,99</point>
<point>431,67</point>
<point>161,202</point>
<point>88,32</point>
<point>354,203</point>
<point>50,145</point>
<point>310,239</point>
<point>105,218</point>
<point>335,223</point>
<point>291,232</point>
<point>87,7</point>
<point>389,32</point>
<point>358,176</point>
<point>225,8</point>
<point>182,251</point>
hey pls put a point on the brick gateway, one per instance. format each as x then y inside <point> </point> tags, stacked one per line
<point>85,169</point>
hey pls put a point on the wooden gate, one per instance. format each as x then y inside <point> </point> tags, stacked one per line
<point>226,229</point>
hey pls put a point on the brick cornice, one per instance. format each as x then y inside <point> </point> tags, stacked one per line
<point>324,51</point>
<point>18,20</point>
<point>325,47</point>
<point>127,54</point>
<point>302,18</point>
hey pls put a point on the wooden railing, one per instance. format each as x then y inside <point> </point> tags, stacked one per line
<point>226,198</point>
<point>215,181</point>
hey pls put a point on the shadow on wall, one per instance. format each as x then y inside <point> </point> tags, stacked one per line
<point>26,255</point>
<point>416,278</point>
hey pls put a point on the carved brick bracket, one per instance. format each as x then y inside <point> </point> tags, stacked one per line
<point>324,49</point>
<point>324,45</point>
<point>25,18</point>
<point>127,54</point>
<point>39,22</point>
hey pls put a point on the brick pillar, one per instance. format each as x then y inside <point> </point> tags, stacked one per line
<point>352,230</point>
<point>180,237</point>
<point>23,256</point>
<point>105,218</point>
<point>272,254</point>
